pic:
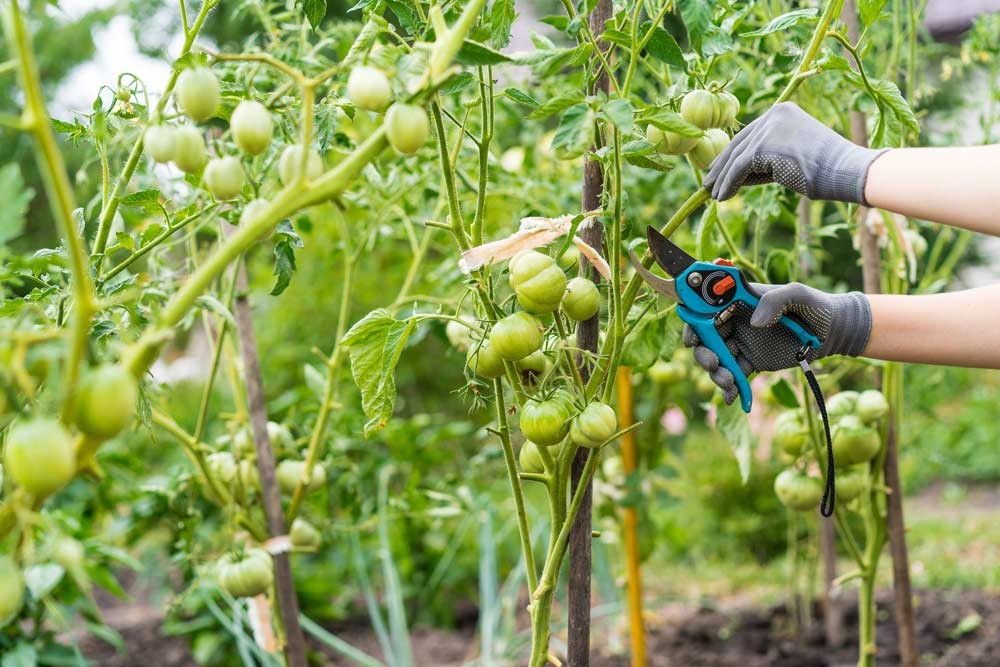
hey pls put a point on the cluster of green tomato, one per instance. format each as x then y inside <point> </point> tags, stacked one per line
<point>854,419</point>
<point>681,368</point>
<point>42,455</point>
<point>540,284</point>
<point>710,111</point>
<point>197,96</point>
<point>232,464</point>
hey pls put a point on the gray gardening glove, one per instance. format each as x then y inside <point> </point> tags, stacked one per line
<point>788,146</point>
<point>842,322</point>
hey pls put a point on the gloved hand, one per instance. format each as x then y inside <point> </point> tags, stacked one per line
<point>788,146</point>
<point>843,323</point>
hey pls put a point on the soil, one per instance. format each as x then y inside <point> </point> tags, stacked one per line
<point>678,636</point>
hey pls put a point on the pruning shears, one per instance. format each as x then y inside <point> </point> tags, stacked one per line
<point>707,294</point>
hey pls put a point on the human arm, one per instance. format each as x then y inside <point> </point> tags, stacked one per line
<point>953,186</point>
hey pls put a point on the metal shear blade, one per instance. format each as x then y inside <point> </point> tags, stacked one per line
<point>661,285</point>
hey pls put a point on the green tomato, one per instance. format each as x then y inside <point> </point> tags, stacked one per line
<point>581,300</point>
<point>728,107</point>
<point>592,427</point>
<point>516,336</point>
<point>68,553</point>
<point>106,402</point>
<point>484,361</point>
<point>290,471</point>
<point>841,404</point>
<point>368,88</point>
<point>39,456</point>
<point>159,141</point>
<point>248,475</point>
<point>279,435</point>
<point>667,372</point>
<point>189,149</point>
<point>290,163</point>
<point>304,535</point>
<point>197,93</point>
<point>851,482</point>
<point>406,127</point>
<point>222,466</point>
<point>252,126</point>
<point>853,442</point>
<point>703,385</point>
<point>459,335</point>
<point>790,434</point>
<point>530,458</point>
<point>123,95</point>
<point>669,143</point>
<point>536,363</point>
<point>253,210</point>
<point>537,280</point>
<point>708,148</point>
<point>871,406</point>
<point>547,422</point>
<point>570,259</point>
<point>698,107</point>
<point>248,577</point>
<point>798,491</point>
<point>11,589</point>
<point>224,177</point>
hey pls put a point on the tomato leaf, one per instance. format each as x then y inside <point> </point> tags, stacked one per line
<point>22,655</point>
<point>502,16</point>
<point>663,47</point>
<point>407,18</point>
<point>284,266</point>
<point>784,22</point>
<point>521,98</point>
<point>474,53</point>
<point>733,425</point>
<point>668,120</point>
<point>315,11</point>
<point>620,114</point>
<point>375,344</point>
<point>642,348</point>
<point>697,15</point>
<point>575,132</point>
<point>458,83</point>
<point>869,10</point>
<point>555,105</point>
<point>547,61</point>
<point>16,198</point>
<point>784,394</point>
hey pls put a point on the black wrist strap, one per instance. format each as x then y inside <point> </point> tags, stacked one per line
<point>829,491</point>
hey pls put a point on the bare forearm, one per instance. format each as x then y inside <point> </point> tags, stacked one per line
<point>954,186</point>
<point>954,329</point>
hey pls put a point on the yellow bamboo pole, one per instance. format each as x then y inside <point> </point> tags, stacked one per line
<point>637,631</point>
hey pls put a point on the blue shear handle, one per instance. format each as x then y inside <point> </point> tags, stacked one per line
<point>704,326</point>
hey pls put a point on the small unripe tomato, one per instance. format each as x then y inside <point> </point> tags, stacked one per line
<point>536,363</point>
<point>841,404</point>
<point>279,435</point>
<point>248,475</point>
<point>592,427</point>
<point>853,442</point>
<point>253,210</point>
<point>484,361</point>
<point>871,406</point>
<point>39,456</point>
<point>708,148</point>
<point>582,299</point>
<point>222,466</point>
<point>790,434</point>
<point>667,372</point>
<point>538,282</point>
<point>248,577</point>
<point>547,422</point>
<point>728,107</point>
<point>570,259</point>
<point>798,491</point>
<point>106,402</point>
<point>851,482</point>
<point>197,93</point>
<point>290,471</point>
<point>304,535</point>
<point>406,127</point>
<point>224,177</point>
<point>123,95</point>
<point>189,149</point>
<point>11,589</point>
<point>291,162</point>
<point>68,553</point>
<point>698,108</point>
<point>669,143</point>
<point>459,335</point>
<point>530,458</point>
<point>368,88</point>
<point>516,336</point>
<point>159,141</point>
<point>252,127</point>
